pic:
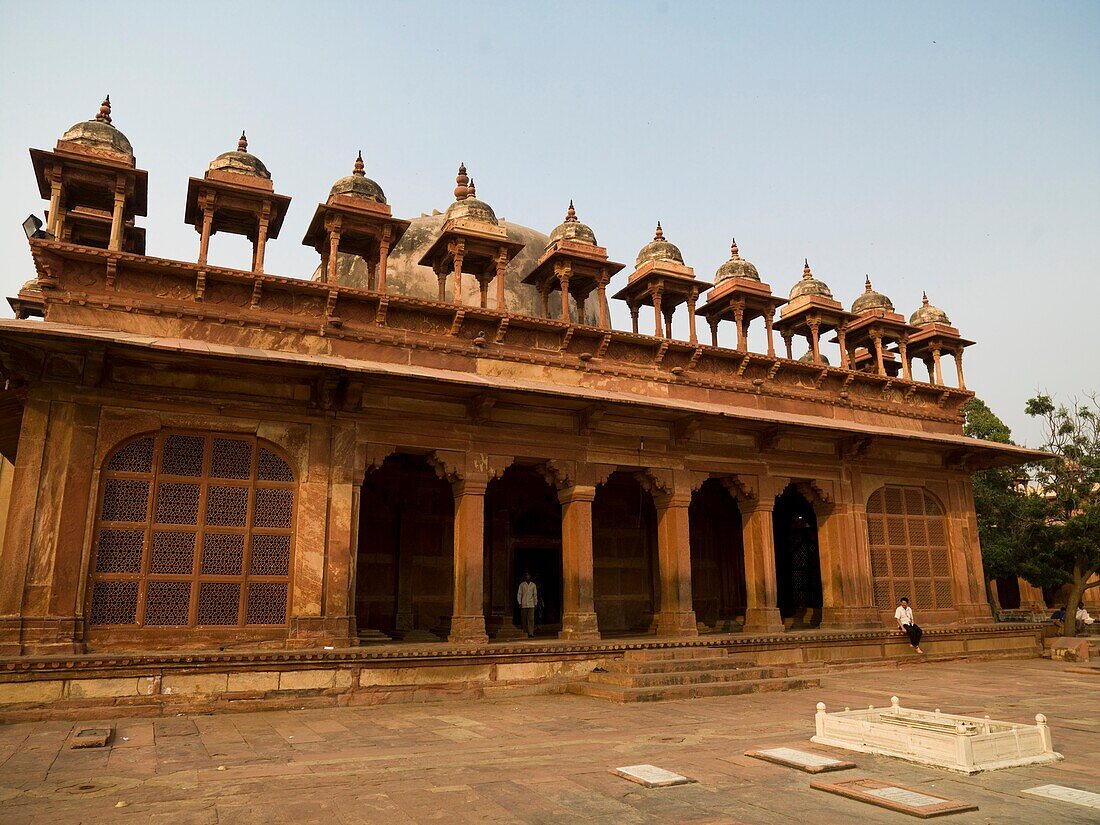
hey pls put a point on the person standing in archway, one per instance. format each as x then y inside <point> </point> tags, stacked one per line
<point>528,598</point>
<point>904,616</point>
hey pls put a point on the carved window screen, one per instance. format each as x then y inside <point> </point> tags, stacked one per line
<point>193,530</point>
<point>908,538</point>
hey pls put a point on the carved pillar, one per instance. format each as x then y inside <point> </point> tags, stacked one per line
<point>634,309</point>
<point>844,358</point>
<point>329,273</point>
<point>580,299</point>
<point>903,353</point>
<point>261,239</point>
<point>787,342</point>
<point>54,218</point>
<point>207,224</point>
<point>383,257</point>
<point>563,281</point>
<point>458,277</point>
<point>311,544</point>
<point>657,312</point>
<point>441,279</point>
<point>768,331</point>
<point>762,612</point>
<point>936,361</point>
<point>501,265</point>
<point>879,365</point>
<point>692,335</point>
<point>468,616</point>
<point>601,289</point>
<point>676,616</point>
<point>815,340</point>
<point>544,298</point>
<point>1031,597</point>
<point>578,608</point>
<point>713,321</point>
<point>341,534</point>
<point>739,319</point>
<point>115,243</point>
<point>483,287</point>
<point>959,368</point>
<point>847,590</point>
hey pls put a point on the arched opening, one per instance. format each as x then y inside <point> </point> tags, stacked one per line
<point>404,584</point>
<point>194,530</point>
<point>797,565</point>
<point>624,541</point>
<point>523,534</point>
<point>717,558</point>
<point>1008,592</point>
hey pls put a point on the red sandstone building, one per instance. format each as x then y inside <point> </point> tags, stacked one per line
<point>208,457</point>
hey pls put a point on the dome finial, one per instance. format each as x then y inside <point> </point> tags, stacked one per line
<point>473,189</point>
<point>571,213</point>
<point>659,235</point>
<point>806,273</point>
<point>924,298</point>
<point>462,183</point>
<point>867,283</point>
<point>358,170</point>
<point>242,142</point>
<point>734,254</point>
<point>104,114</point>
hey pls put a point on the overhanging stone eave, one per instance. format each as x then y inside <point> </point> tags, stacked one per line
<point>978,454</point>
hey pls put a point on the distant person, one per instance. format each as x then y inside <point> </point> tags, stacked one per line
<point>904,616</point>
<point>528,598</point>
<point>1083,617</point>
<point>1058,617</point>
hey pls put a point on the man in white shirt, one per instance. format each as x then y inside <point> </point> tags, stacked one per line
<point>528,598</point>
<point>904,616</point>
<point>1083,618</point>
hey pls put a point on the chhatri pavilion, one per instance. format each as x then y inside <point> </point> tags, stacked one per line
<point>210,458</point>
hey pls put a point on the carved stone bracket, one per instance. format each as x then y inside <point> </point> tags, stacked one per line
<point>559,474</point>
<point>480,406</point>
<point>589,418</point>
<point>371,456</point>
<point>490,465</point>
<point>685,428</point>
<point>768,439</point>
<point>742,487</point>
<point>449,465</point>
<point>853,447</point>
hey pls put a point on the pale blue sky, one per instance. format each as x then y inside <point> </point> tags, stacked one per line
<point>953,147</point>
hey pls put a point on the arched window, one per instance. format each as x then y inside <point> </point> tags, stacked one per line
<point>193,530</point>
<point>908,536</point>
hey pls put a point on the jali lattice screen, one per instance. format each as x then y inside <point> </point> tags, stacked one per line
<point>908,536</point>
<point>193,529</point>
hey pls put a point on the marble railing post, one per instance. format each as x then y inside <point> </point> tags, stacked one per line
<point>675,616</point>
<point>578,607</point>
<point>762,612</point>
<point>468,616</point>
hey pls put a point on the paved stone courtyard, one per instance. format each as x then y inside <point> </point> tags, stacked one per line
<point>543,759</point>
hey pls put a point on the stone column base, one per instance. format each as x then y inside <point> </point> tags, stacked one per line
<point>973,613</point>
<point>319,631</point>
<point>579,626</point>
<point>763,620</point>
<point>679,623</point>
<point>468,630</point>
<point>41,635</point>
<point>851,618</point>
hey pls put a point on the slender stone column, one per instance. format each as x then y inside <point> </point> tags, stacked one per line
<point>762,612</point>
<point>468,616</point>
<point>742,334</point>
<point>578,607</point>
<point>713,321</point>
<point>902,351</point>
<point>1031,597</point>
<point>383,258</point>
<point>634,317</point>
<point>768,332</point>
<point>657,313</point>
<point>815,341</point>
<point>115,242</point>
<point>693,336</point>
<point>261,240</point>
<point>605,315</point>
<point>55,204</point>
<point>204,237</point>
<point>675,616</point>
<point>959,368</point>
<point>458,278</point>
<point>842,341</point>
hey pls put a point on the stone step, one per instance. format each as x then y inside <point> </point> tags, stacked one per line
<point>673,665</point>
<point>650,654</point>
<point>688,677</point>
<point>615,693</point>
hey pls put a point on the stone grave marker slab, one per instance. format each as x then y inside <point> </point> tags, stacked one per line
<point>1061,793</point>
<point>895,797</point>
<point>90,738</point>
<point>651,776</point>
<point>802,760</point>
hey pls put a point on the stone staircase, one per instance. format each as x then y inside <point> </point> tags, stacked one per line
<point>683,673</point>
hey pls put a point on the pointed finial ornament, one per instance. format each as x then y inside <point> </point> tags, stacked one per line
<point>924,298</point>
<point>867,284</point>
<point>806,269</point>
<point>735,255</point>
<point>659,235</point>
<point>571,213</point>
<point>358,170</point>
<point>462,183</point>
<point>473,189</point>
<point>104,114</point>
<point>242,142</point>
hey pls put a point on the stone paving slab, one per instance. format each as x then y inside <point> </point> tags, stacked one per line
<point>536,759</point>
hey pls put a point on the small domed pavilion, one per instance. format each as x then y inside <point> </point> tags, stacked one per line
<point>661,280</point>
<point>874,326</point>
<point>574,264</point>
<point>740,295</point>
<point>812,312</point>
<point>93,185</point>
<point>355,220</point>
<point>935,336</point>
<point>236,195</point>
<point>472,242</point>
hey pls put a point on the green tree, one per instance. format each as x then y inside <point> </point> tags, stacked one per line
<point>1065,544</point>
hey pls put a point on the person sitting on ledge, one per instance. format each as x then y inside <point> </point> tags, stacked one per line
<point>1083,618</point>
<point>904,616</point>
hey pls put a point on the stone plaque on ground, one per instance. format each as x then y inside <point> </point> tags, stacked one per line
<point>651,776</point>
<point>894,797</point>
<point>1063,794</point>
<point>802,760</point>
<point>90,738</point>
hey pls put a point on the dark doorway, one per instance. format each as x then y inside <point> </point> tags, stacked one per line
<point>717,557</point>
<point>1008,592</point>
<point>624,541</point>
<point>523,532</point>
<point>797,566</point>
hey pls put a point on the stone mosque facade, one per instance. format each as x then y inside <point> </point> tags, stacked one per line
<point>213,458</point>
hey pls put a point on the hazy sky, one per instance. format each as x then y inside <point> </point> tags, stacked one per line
<point>953,147</point>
